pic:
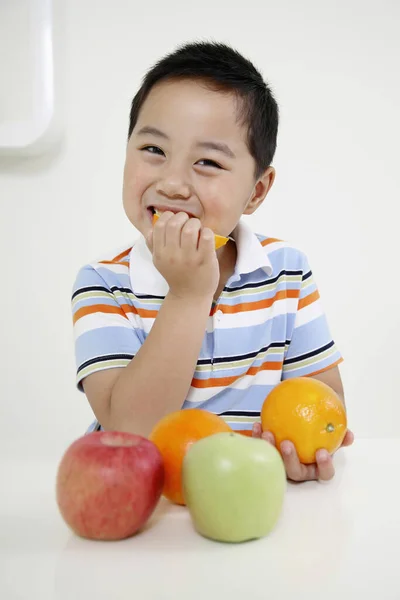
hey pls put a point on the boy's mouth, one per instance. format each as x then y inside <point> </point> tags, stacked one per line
<point>219,239</point>
<point>160,211</point>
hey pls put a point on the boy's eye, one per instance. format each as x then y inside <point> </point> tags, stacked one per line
<point>210,163</point>
<point>156,150</point>
<point>152,150</point>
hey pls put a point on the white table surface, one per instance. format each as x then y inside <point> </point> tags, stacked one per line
<point>334,540</point>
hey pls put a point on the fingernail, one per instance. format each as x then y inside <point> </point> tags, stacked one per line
<point>323,455</point>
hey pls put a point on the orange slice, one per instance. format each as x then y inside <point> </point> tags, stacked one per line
<point>220,240</point>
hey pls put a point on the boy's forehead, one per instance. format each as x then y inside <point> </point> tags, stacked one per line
<point>192,103</point>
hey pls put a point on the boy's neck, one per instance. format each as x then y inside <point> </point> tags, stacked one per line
<point>227,256</point>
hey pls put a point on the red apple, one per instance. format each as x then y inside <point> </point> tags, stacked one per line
<point>108,484</point>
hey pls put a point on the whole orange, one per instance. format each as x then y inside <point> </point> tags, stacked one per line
<point>306,412</point>
<point>173,435</point>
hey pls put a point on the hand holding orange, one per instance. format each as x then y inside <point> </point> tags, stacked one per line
<point>220,240</point>
<point>306,412</point>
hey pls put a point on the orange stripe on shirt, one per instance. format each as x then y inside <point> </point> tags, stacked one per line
<point>303,302</point>
<point>117,258</point>
<point>114,262</point>
<point>225,381</point>
<point>97,308</point>
<point>257,305</point>
<point>123,310</point>
<point>269,241</point>
<point>335,364</point>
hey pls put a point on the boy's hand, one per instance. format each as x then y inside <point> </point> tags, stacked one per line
<point>323,469</point>
<point>184,253</point>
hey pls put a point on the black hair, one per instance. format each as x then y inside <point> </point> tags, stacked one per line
<point>224,69</point>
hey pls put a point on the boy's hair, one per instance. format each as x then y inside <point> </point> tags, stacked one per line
<point>223,69</point>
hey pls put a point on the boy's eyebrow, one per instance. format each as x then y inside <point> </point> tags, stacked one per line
<point>147,130</point>
<point>219,146</point>
<point>208,145</point>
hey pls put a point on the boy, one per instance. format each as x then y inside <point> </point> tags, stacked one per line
<point>173,323</point>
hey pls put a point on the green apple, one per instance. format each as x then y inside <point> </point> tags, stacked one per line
<point>234,486</point>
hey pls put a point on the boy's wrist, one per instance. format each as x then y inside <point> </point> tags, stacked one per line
<point>191,301</point>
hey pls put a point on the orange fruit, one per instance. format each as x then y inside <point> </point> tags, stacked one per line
<point>173,435</point>
<point>306,412</point>
<point>220,240</point>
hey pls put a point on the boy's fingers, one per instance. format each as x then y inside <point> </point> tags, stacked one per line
<point>323,469</point>
<point>295,470</point>
<point>291,461</point>
<point>158,233</point>
<point>206,242</point>
<point>256,431</point>
<point>325,466</point>
<point>269,437</point>
<point>190,235</point>
<point>173,230</point>
<point>348,438</point>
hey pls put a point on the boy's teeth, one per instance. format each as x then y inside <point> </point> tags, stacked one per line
<point>160,212</point>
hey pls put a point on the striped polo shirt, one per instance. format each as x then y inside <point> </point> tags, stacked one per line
<point>268,324</point>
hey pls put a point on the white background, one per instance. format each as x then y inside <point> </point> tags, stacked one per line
<point>334,69</point>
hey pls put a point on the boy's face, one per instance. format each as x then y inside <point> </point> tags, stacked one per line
<point>188,153</point>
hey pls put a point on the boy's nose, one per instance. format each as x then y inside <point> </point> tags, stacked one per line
<point>173,185</point>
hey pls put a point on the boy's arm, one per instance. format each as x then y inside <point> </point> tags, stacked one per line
<point>311,353</point>
<point>323,469</point>
<point>157,380</point>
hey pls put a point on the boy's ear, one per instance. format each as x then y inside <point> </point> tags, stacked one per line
<point>261,189</point>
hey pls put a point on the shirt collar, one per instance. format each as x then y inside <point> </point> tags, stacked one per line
<point>146,280</point>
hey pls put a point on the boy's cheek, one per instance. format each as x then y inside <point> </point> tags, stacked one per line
<point>135,188</point>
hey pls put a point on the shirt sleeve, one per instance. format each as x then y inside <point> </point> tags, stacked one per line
<point>311,349</point>
<point>107,332</point>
